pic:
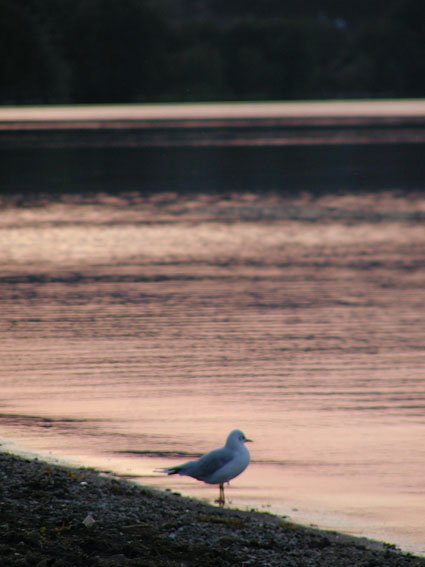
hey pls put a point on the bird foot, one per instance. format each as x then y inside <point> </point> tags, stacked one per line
<point>221,499</point>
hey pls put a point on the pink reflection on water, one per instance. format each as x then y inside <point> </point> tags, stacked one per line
<point>159,324</point>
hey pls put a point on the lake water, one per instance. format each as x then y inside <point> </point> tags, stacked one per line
<point>151,300</point>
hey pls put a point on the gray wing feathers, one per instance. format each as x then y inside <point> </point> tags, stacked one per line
<point>207,465</point>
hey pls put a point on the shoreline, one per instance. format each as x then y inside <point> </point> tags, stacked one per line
<point>231,124</point>
<point>62,516</point>
<point>242,110</point>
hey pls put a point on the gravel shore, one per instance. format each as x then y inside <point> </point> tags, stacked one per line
<point>53,516</point>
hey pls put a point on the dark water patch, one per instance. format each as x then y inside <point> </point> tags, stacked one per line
<point>155,454</point>
<point>210,133</point>
<point>285,170</point>
<point>72,279</point>
<point>13,419</point>
<point>43,419</point>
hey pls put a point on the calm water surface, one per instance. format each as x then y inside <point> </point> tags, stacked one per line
<point>138,329</point>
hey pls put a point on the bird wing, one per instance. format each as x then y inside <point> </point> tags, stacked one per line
<point>207,465</point>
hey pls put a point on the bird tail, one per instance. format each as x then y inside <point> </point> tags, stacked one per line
<point>170,470</point>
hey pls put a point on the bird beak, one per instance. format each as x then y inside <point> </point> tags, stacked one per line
<point>248,440</point>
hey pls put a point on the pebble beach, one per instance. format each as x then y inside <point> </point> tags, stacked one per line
<point>54,516</point>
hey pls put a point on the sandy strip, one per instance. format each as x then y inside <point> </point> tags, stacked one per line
<point>207,111</point>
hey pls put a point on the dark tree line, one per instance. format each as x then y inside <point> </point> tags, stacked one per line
<point>177,50</point>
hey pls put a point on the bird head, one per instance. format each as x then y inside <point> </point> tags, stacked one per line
<point>236,438</point>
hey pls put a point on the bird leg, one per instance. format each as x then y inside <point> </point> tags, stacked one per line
<point>221,500</point>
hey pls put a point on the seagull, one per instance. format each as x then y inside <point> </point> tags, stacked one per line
<point>218,466</point>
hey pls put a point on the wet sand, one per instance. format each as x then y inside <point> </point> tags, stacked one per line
<point>61,517</point>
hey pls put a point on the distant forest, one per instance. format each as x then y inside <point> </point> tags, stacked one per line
<point>100,51</point>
